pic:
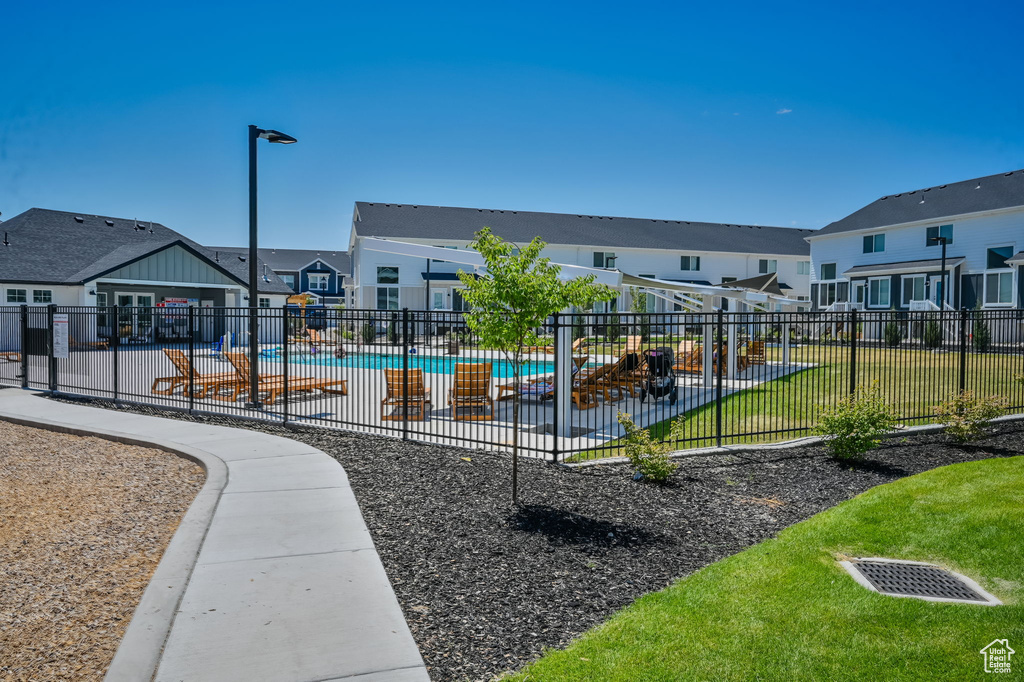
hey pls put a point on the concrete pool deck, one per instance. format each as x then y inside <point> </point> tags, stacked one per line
<point>272,573</point>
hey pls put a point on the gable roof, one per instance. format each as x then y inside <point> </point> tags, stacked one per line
<point>992,192</point>
<point>281,260</point>
<point>57,247</point>
<point>397,221</point>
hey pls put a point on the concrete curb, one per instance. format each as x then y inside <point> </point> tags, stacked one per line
<point>273,509</point>
<point>784,445</point>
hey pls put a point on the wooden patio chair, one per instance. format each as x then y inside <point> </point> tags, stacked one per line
<point>418,395</point>
<point>10,356</point>
<point>471,390</point>
<point>634,344</point>
<point>690,363</point>
<point>626,374</point>
<point>198,384</point>
<point>755,353</point>
<point>542,387</point>
<point>316,340</point>
<point>273,385</point>
<point>102,344</point>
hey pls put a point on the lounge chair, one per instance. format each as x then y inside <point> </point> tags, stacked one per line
<point>198,384</point>
<point>471,390</point>
<point>418,395</point>
<point>10,356</point>
<point>274,384</point>
<point>690,363</point>
<point>755,353</point>
<point>316,340</point>
<point>542,387</point>
<point>102,344</point>
<point>627,374</point>
<point>634,344</point>
<point>583,391</point>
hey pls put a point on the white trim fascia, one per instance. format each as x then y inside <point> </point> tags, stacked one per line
<point>155,283</point>
<point>921,223</point>
<point>319,260</point>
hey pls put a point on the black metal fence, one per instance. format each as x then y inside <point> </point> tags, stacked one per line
<point>422,375</point>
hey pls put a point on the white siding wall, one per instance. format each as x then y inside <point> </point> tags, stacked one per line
<point>660,263</point>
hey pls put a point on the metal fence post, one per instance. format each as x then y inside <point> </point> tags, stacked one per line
<point>191,358</point>
<point>284,358</point>
<point>50,357</point>
<point>963,349</point>
<point>24,346</point>
<point>718,382</point>
<point>853,351</point>
<point>554,421</point>
<point>405,374</point>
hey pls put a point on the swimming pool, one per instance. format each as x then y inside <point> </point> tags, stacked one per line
<point>432,364</point>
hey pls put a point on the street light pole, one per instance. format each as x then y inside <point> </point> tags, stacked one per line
<point>280,138</point>
<point>942,241</point>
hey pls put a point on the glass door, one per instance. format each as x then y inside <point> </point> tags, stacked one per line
<point>438,299</point>
<point>134,317</point>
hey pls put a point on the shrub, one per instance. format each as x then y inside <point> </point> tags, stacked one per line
<point>369,333</point>
<point>893,334</point>
<point>980,334</point>
<point>579,329</point>
<point>613,330</point>
<point>648,457</point>
<point>966,415</point>
<point>854,425</point>
<point>932,337</point>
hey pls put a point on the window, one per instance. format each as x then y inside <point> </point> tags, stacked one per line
<point>264,302</point>
<point>765,266</point>
<point>604,259</point>
<point>913,289</point>
<point>458,303</point>
<point>939,231</point>
<point>320,281</point>
<point>999,288</point>
<point>826,294</point>
<point>46,296</point>
<point>387,298</point>
<point>439,260</point>
<point>878,292</point>
<point>689,262</point>
<point>387,275</point>
<point>803,267</point>
<point>288,279</point>
<point>828,271</point>
<point>997,257</point>
<point>101,314</point>
<point>874,243</point>
<point>17,296</point>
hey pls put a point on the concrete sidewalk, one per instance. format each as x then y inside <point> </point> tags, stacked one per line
<point>272,574</point>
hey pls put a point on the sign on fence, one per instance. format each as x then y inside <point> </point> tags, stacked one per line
<point>61,348</point>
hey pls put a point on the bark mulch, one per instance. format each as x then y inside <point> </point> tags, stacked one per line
<point>486,587</point>
<point>83,523</point>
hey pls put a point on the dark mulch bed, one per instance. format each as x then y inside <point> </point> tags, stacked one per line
<point>486,587</point>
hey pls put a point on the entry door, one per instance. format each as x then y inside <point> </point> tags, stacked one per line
<point>438,299</point>
<point>936,284</point>
<point>134,316</point>
<point>858,294</point>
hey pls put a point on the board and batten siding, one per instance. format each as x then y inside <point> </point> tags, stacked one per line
<point>171,265</point>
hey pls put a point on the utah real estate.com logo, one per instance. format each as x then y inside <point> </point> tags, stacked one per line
<point>997,656</point>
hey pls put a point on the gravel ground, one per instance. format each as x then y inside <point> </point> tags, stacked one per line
<point>83,523</point>
<point>486,587</point>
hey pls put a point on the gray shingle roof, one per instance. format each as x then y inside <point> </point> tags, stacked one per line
<point>281,260</point>
<point>57,247</point>
<point>397,221</point>
<point>908,266</point>
<point>1003,190</point>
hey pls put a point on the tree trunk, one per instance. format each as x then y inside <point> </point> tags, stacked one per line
<point>515,432</point>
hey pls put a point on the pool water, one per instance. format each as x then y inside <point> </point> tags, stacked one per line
<point>432,364</point>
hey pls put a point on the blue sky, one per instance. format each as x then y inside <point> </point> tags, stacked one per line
<point>767,113</point>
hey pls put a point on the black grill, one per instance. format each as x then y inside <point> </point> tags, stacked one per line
<point>916,581</point>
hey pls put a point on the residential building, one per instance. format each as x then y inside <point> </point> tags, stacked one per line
<point>124,266</point>
<point>320,273</point>
<point>887,255</point>
<point>678,250</point>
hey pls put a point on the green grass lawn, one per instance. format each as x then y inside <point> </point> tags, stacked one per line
<point>785,609</point>
<point>913,380</point>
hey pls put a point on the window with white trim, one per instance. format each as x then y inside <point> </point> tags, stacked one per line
<point>604,259</point>
<point>288,279</point>
<point>996,257</point>
<point>878,292</point>
<point>264,302</point>
<point>319,281</point>
<point>803,267</point>
<point>689,263</point>
<point>765,266</point>
<point>912,288</point>
<point>999,288</point>
<point>42,296</point>
<point>874,243</point>
<point>17,296</point>
<point>387,296</point>
<point>101,312</point>
<point>826,294</point>
<point>828,271</point>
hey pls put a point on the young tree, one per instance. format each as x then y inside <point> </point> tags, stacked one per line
<point>516,296</point>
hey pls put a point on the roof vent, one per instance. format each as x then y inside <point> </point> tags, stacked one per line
<point>979,186</point>
<point>927,190</point>
<point>883,198</point>
<point>79,219</point>
<point>942,187</point>
<point>1008,174</point>
<point>110,223</point>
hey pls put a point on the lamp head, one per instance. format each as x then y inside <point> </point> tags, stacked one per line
<point>277,136</point>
